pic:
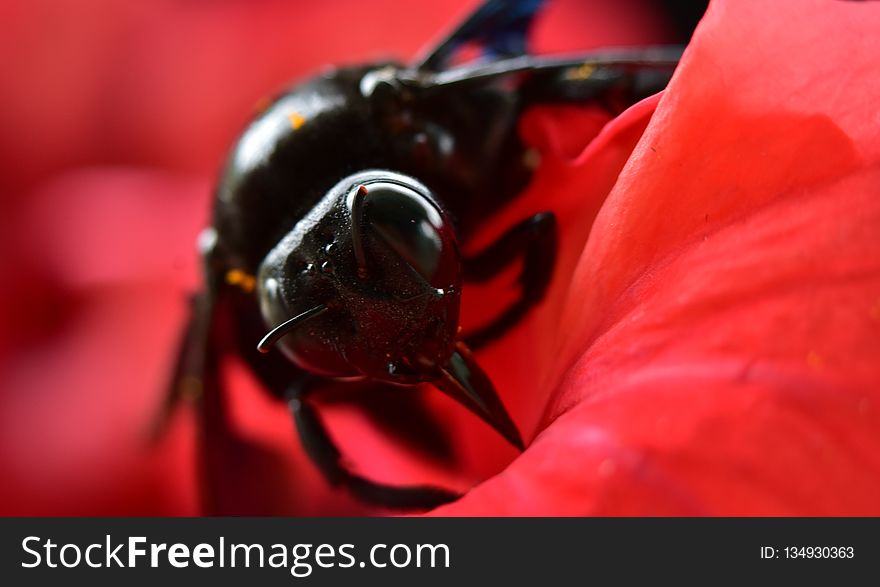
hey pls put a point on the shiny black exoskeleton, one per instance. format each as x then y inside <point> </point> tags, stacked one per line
<point>338,220</point>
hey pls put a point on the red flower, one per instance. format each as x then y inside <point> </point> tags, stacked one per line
<point>710,343</point>
<point>717,346</point>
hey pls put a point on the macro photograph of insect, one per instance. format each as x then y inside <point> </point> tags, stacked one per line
<point>465,258</point>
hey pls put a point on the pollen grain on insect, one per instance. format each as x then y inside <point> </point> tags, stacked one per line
<point>240,279</point>
<point>581,72</point>
<point>296,120</point>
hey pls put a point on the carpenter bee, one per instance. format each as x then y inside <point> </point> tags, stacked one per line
<point>334,251</point>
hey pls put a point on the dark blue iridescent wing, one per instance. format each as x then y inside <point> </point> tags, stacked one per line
<point>499,27</point>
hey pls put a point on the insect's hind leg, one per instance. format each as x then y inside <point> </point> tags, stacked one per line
<point>196,380</point>
<point>325,454</point>
<point>190,375</point>
<point>536,240</point>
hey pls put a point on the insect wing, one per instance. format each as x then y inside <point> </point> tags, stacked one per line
<point>499,27</point>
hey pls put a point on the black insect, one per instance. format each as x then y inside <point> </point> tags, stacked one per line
<point>338,220</point>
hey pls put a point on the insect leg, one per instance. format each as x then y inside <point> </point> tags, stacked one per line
<point>188,379</point>
<point>196,380</point>
<point>535,239</point>
<point>325,454</point>
<point>182,385</point>
<point>275,373</point>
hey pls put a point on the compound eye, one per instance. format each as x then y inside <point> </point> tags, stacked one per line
<point>404,215</point>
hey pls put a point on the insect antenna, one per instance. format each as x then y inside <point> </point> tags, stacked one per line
<point>279,331</point>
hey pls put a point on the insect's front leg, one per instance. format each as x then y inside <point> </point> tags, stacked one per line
<point>286,381</point>
<point>322,450</point>
<point>535,240</point>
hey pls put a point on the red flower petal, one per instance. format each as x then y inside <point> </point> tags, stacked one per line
<point>721,337</point>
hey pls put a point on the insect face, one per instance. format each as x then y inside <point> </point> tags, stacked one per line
<point>366,284</point>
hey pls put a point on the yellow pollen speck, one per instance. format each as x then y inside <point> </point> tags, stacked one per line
<point>815,360</point>
<point>241,279</point>
<point>296,120</point>
<point>582,72</point>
